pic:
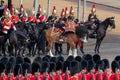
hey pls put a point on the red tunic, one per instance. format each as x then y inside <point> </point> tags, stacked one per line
<point>7,24</point>
<point>114,76</point>
<point>15,18</point>
<point>82,76</point>
<point>91,76</point>
<point>24,19</point>
<point>32,19</point>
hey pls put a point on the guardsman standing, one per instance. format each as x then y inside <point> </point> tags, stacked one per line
<point>74,69</point>
<point>71,16</point>
<point>115,70</point>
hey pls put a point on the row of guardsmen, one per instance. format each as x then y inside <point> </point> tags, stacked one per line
<point>13,16</point>
<point>87,67</point>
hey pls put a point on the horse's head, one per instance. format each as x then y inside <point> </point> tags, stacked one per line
<point>111,21</point>
<point>81,32</point>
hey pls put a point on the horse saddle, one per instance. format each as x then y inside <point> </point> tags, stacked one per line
<point>70,26</point>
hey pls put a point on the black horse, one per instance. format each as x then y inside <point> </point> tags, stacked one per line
<point>101,31</point>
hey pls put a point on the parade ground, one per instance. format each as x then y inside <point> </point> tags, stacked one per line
<point>110,46</point>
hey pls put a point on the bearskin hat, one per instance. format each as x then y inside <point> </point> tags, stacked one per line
<point>87,57</point>
<point>115,66</point>
<point>36,67</point>
<point>4,60</point>
<point>66,66</point>
<point>45,66</point>
<point>53,59</point>
<point>78,58</point>
<point>83,64</point>
<point>9,68</point>
<point>117,58</point>
<point>17,69</point>
<point>106,62</point>
<point>59,65</point>
<point>26,68</point>
<point>96,58</point>
<point>70,58</point>
<point>74,67</point>
<point>60,58</point>
<point>38,59</point>
<point>45,59</point>
<point>52,66</point>
<point>91,65</point>
<point>26,59</point>
<point>99,65</point>
<point>19,60</point>
<point>2,68</point>
<point>12,60</point>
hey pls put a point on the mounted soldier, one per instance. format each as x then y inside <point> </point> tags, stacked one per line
<point>53,17</point>
<point>7,24</point>
<point>71,15</point>
<point>21,12</point>
<point>32,19</point>
<point>39,12</point>
<point>14,12</point>
<point>92,18</point>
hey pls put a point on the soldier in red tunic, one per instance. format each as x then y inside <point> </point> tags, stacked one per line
<point>39,12</point>
<point>74,70</point>
<point>32,18</point>
<point>91,70</point>
<point>66,70</point>
<point>8,25</point>
<point>36,68</point>
<point>18,72</point>
<point>59,72</point>
<point>115,71</point>
<point>14,13</point>
<point>83,70</point>
<point>99,69</point>
<point>2,71</point>
<point>107,71</point>
<point>45,71</point>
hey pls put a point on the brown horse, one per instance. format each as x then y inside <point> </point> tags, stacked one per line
<point>72,36</point>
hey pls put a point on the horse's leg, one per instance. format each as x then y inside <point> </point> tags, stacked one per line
<point>82,48</point>
<point>73,46</point>
<point>56,48</point>
<point>50,43</point>
<point>96,46</point>
<point>99,44</point>
<point>68,48</point>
